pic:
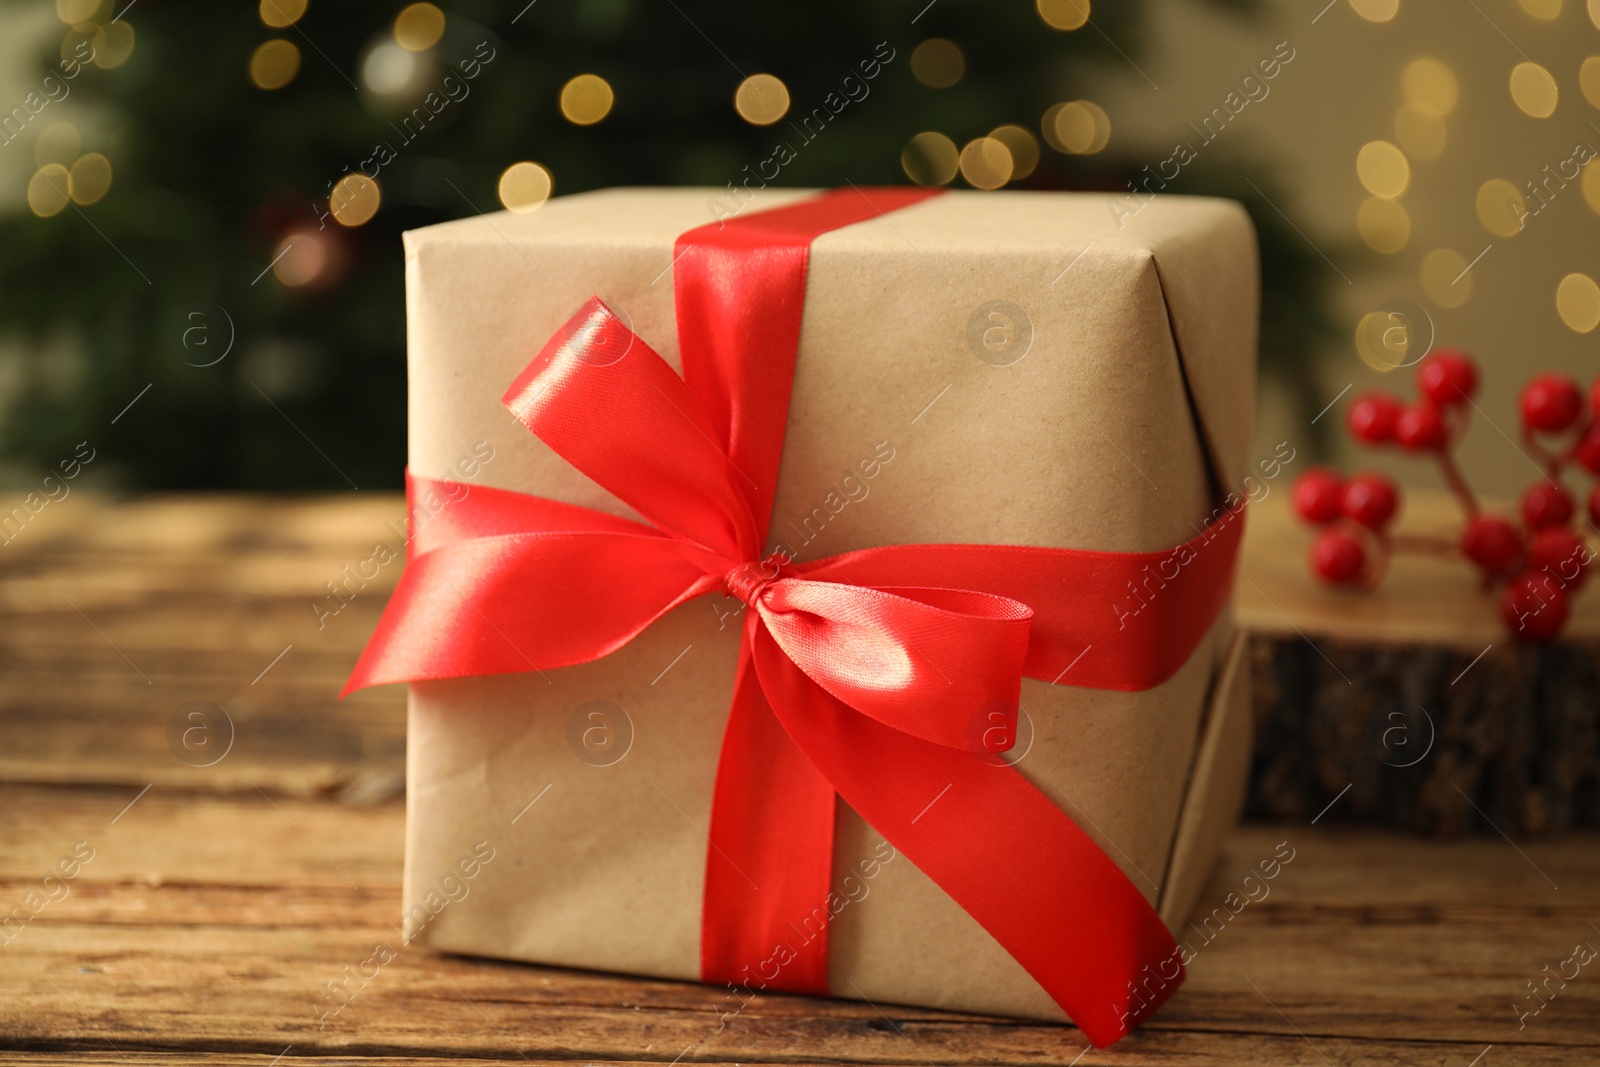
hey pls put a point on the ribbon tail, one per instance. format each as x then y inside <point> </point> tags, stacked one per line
<point>769,868</point>
<point>998,847</point>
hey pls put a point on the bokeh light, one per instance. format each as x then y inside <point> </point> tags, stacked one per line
<point>73,12</point>
<point>1501,206</point>
<point>1420,131</point>
<point>47,190</point>
<point>930,158</point>
<point>586,99</point>
<point>938,63</point>
<point>986,163</point>
<point>1589,79</point>
<point>57,143</point>
<point>300,258</point>
<point>524,187</point>
<point>1384,224</point>
<point>274,63</point>
<point>1533,90</point>
<point>1022,145</point>
<point>1064,14</point>
<point>1591,186</point>
<point>1578,302</point>
<point>418,27</point>
<point>1542,9</point>
<point>1383,339</point>
<point>89,179</point>
<point>113,44</point>
<point>1376,10</point>
<point>1431,83</point>
<point>761,99</point>
<point>73,40</point>
<point>1445,277</point>
<point>1594,13</point>
<point>1079,127</point>
<point>282,13</point>
<point>390,70</point>
<point>354,200</point>
<point>1383,169</point>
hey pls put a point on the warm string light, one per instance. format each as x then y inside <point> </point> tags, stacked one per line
<point>1578,302</point>
<point>938,63</point>
<point>1384,224</point>
<point>761,99</point>
<point>1023,147</point>
<point>1383,170</point>
<point>930,158</point>
<point>274,63</point>
<point>1076,127</point>
<point>1376,10</point>
<point>1533,90</point>
<point>354,200</point>
<point>1589,79</point>
<point>89,22</point>
<point>524,187</point>
<point>586,99</point>
<point>1542,9</point>
<point>418,27</point>
<point>1430,92</point>
<point>280,14</point>
<point>1063,14</point>
<point>986,163</point>
<point>56,183</point>
<point>1500,206</point>
<point>1445,277</point>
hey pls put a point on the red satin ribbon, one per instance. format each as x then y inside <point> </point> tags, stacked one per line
<point>874,675</point>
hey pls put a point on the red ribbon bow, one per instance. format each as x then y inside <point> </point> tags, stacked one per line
<point>884,675</point>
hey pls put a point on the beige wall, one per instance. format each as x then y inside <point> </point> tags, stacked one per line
<point>1343,89</point>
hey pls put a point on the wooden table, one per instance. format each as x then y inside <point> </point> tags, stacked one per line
<point>219,899</point>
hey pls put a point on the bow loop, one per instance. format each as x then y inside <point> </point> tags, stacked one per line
<point>609,405</point>
<point>927,662</point>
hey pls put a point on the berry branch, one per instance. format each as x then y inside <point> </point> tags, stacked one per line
<point>1539,561</point>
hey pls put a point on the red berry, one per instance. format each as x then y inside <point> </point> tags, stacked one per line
<point>1534,606</point>
<point>1594,397</point>
<point>1561,554</point>
<point>1546,505</point>
<point>1419,428</point>
<point>1447,377</point>
<point>1337,558</point>
<point>1371,418</point>
<point>1594,506</point>
<point>1370,499</point>
<point>1492,543</point>
<point>1551,402</point>
<point>1587,450</point>
<point>1316,495</point>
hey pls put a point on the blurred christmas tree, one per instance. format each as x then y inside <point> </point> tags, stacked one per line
<point>214,205</point>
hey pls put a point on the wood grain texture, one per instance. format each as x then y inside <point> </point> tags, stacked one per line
<point>1415,697</point>
<point>214,921</point>
<point>222,900</point>
<point>116,615</point>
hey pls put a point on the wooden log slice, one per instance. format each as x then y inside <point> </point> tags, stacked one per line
<point>1413,704</point>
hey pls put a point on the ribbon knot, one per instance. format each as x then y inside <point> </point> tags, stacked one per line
<point>748,581</point>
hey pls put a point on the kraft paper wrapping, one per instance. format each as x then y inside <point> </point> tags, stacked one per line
<point>1007,368</point>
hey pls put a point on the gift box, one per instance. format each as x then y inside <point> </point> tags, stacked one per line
<point>735,776</point>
